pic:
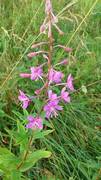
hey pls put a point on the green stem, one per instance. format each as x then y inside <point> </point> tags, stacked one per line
<point>26,154</point>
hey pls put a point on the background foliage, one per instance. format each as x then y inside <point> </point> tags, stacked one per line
<point>76,142</point>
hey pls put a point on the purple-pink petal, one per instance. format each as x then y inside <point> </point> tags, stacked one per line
<point>36,73</point>
<point>29,125</point>
<point>22,96</point>
<point>25,104</point>
<point>51,95</point>
<point>59,108</point>
<point>58,76</point>
<point>69,83</point>
<point>55,76</point>
<point>65,95</point>
<point>34,123</point>
<point>51,108</point>
<point>30,118</point>
<point>24,99</point>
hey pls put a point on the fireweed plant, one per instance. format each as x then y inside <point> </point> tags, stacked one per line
<point>47,104</point>
<point>49,75</point>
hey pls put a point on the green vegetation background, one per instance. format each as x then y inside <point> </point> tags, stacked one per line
<point>76,141</point>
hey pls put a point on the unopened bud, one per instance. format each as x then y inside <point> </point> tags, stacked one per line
<point>25,75</point>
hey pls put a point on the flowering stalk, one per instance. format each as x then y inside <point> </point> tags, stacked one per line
<point>48,73</point>
<point>50,42</point>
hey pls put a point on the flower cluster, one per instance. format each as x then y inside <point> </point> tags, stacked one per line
<point>48,73</point>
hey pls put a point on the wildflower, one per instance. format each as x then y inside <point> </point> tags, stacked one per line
<point>55,76</point>
<point>69,83</point>
<point>36,73</point>
<point>51,108</point>
<point>25,75</point>
<point>34,123</point>
<point>65,95</point>
<point>24,99</point>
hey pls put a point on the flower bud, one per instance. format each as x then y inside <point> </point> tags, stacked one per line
<point>25,75</point>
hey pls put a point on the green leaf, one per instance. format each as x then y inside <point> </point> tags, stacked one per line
<point>21,128</point>
<point>38,104</point>
<point>19,115</point>
<point>7,159</point>
<point>2,113</point>
<point>41,134</point>
<point>1,172</point>
<point>33,158</point>
<point>99,158</point>
<point>15,175</point>
<point>25,112</point>
<point>20,136</point>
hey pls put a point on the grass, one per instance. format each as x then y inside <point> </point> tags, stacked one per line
<point>76,141</point>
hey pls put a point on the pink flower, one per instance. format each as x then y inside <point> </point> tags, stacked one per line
<point>69,83</point>
<point>25,75</point>
<point>36,73</point>
<point>55,76</point>
<point>52,96</point>
<point>65,95</point>
<point>34,123</point>
<point>24,99</point>
<point>51,108</point>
